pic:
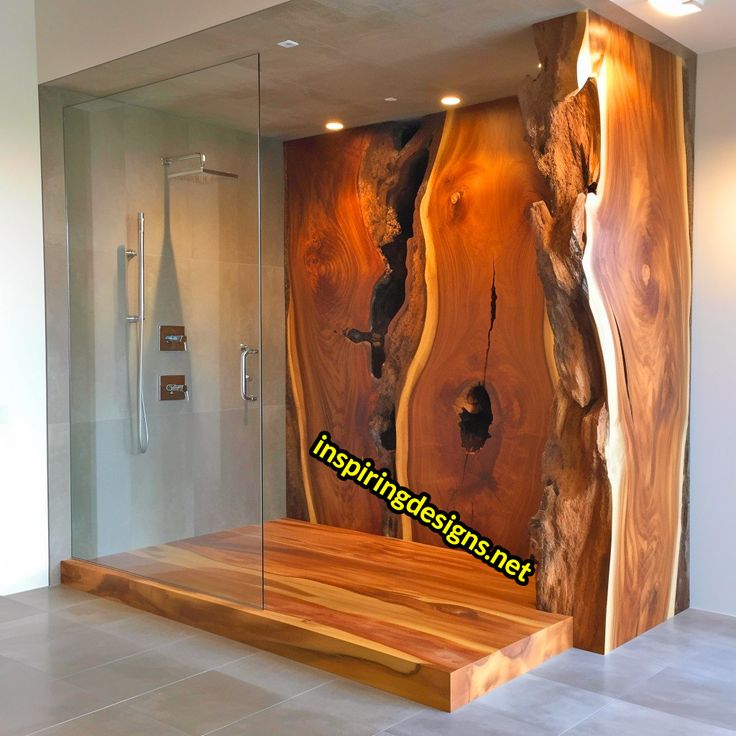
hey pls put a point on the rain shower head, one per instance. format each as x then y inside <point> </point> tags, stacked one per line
<point>192,166</point>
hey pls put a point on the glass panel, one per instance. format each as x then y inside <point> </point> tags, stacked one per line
<point>165,178</point>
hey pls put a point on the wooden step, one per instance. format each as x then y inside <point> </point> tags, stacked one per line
<point>430,624</point>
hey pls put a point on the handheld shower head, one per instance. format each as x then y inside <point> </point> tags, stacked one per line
<point>192,166</point>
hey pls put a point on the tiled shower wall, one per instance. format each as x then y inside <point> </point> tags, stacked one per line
<point>199,474</point>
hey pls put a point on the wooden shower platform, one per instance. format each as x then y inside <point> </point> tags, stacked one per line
<point>427,623</point>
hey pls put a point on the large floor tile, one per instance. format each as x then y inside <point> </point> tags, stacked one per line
<point>131,676</point>
<point>53,598</point>
<point>205,702</point>
<point>38,626</point>
<point>626,719</point>
<point>665,647</point>
<point>11,610</point>
<point>472,719</point>
<point>339,708</point>
<point>544,703</point>
<point>694,620</point>
<point>61,647</point>
<point>97,612</point>
<point>31,700</point>
<point>148,630</point>
<point>115,721</point>
<point>607,675</point>
<point>716,661</point>
<point>277,674</point>
<point>206,651</point>
<point>689,694</point>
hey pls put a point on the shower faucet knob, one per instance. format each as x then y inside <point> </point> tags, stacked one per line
<point>173,388</point>
<point>172,338</point>
<point>181,339</point>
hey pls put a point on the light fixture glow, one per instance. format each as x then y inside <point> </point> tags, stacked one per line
<point>288,44</point>
<point>390,99</point>
<point>677,8</point>
<point>450,100</point>
<point>334,125</point>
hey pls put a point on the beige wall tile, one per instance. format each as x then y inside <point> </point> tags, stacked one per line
<point>274,462</point>
<point>201,471</point>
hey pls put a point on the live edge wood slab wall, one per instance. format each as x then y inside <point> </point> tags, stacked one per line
<point>493,303</point>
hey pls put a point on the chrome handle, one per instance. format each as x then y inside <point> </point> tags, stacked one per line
<point>177,338</point>
<point>245,351</point>
<point>178,388</point>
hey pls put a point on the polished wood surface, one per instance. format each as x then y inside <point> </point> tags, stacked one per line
<point>416,320</point>
<point>332,266</point>
<point>427,623</point>
<point>355,304</point>
<point>606,122</point>
<point>474,413</point>
<point>571,532</point>
<point>639,236</point>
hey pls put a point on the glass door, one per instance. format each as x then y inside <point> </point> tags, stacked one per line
<point>163,223</point>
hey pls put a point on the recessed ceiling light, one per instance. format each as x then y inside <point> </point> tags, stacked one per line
<point>450,100</point>
<point>677,7</point>
<point>390,99</point>
<point>334,125</point>
<point>288,44</point>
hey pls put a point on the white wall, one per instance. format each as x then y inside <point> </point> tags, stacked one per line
<point>23,491</point>
<point>76,34</point>
<point>713,428</point>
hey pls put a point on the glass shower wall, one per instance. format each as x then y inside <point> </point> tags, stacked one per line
<point>153,479</point>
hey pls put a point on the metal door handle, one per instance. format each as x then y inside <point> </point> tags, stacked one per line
<point>245,351</point>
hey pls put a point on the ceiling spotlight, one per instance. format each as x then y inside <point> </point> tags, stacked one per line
<point>390,99</point>
<point>450,100</point>
<point>334,125</point>
<point>288,44</point>
<point>677,7</point>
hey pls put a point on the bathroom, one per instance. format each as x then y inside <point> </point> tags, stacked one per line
<point>400,224</point>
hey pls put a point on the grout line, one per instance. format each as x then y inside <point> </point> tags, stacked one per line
<point>268,707</point>
<point>687,719</point>
<point>590,715</point>
<point>136,696</point>
<point>386,729</point>
<point>127,656</point>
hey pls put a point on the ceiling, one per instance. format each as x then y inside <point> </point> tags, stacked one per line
<point>352,54</point>
<point>710,30</point>
<point>72,35</point>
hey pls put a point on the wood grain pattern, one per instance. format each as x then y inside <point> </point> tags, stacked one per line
<point>639,273</point>
<point>614,257</point>
<point>494,409</point>
<point>332,265</point>
<point>426,623</point>
<point>571,533</point>
<point>474,412</point>
<point>355,303</point>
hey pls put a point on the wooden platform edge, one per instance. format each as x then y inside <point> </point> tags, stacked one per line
<point>310,643</point>
<point>491,672</point>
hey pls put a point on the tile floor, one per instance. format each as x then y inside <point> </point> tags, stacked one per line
<point>76,665</point>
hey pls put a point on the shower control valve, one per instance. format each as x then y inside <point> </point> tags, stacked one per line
<point>172,338</point>
<point>173,388</point>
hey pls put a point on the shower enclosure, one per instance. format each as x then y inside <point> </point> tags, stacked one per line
<point>166,359</point>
